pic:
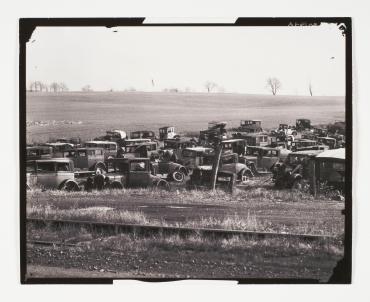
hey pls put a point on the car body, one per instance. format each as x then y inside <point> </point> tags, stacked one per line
<point>110,148</point>
<point>328,141</point>
<point>143,134</point>
<point>250,126</point>
<point>56,173</point>
<point>202,178</point>
<point>193,157</point>
<point>87,158</point>
<point>302,124</point>
<point>167,132</point>
<point>113,136</point>
<point>169,170</point>
<point>172,148</point>
<point>253,139</point>
<point>301,144</point>
<point>296,168</point>
<point>216,132</point>
<point>264,157</point>
<point>133,173</point>
<point>147,150</point>
<point>39,152</point>
<point>75,141</point>
<point>59,148</point>
<point>235,145</point>
<point>330,167</point>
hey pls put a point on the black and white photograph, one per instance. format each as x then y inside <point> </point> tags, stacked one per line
<point>163,151</point>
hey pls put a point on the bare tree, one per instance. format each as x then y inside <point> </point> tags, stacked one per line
<point>54,87</point>
<point>274,85</point>
<point>210,86</point>
<point>86,88</point>
<point>310,89</point>
<point>38,86</point>
<point>63,86</point>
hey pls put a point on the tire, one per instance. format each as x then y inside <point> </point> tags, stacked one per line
<point>70,186</point>
<point>298,184</point>
<point>101,167</point>
<point>178,176</point>
<point>245,174</point>
<point>163,185</point>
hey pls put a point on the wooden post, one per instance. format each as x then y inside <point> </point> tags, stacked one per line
<point>313,178</point>
<point>215,165</point>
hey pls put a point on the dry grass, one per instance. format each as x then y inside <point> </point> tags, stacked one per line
<point>98,214</point>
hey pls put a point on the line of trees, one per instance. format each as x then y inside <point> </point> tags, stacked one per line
<point>274,85</point>
<point>53,87</point>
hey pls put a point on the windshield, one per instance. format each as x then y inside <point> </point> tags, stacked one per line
<point>188,153</point>
<point>138,166</point>
<point>46,167</point>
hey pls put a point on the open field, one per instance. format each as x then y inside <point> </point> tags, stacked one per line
<point>129,256</point>
<point>259,209</point>
<point>159,256</point>
<point>90,114</point>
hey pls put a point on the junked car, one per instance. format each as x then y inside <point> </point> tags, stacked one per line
<point>39,152</point>
<point>169,170</point>
<point>57,173</point>
<point>87,159</point>
<point>296,170</point>
<point>167,132</point>
<point>143,134</point>
<point>110,148</point>
<point>133,173</point>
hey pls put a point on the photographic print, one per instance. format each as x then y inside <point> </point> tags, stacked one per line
<point>156,151</point>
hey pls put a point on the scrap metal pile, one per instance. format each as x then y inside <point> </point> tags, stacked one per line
<point>295,157</point>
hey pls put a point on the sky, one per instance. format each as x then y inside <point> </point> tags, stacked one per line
<point>237,59</point>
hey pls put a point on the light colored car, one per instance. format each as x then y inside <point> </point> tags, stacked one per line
<point>56,173</point>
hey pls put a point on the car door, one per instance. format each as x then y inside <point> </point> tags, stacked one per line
<point>46,175</point>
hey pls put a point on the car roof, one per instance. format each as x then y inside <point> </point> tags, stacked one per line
<point>58,144</point>
<point>137,139</point>
<point>304,140</point>
<point>334,154</point>
<point>38,147</point>
<point>88,148</point>
<point>264,148</point>
<point>307,152</point>
<point>131,159</point>
<point>101,142</point>
<point>232,140</point>
<point>327,137</point>
<point>58,160</point>
<point>198,148</point>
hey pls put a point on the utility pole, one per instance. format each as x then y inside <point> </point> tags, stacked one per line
<point>216,164</point>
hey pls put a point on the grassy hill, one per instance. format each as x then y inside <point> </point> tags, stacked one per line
<point>89,114</point>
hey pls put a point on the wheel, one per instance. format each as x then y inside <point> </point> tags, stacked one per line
<point>164,185</point>
<point>100,167</point>
<point>298,184</point>
<point>71,186</point>
<point>178,176</point>
<point>245,174</point>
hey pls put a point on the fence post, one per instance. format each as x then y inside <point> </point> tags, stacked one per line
<point>215,165</point>
<point>313,178</point>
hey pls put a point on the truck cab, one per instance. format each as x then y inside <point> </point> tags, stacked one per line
<point>167,132</point>
<point>87,158</point>
<point>250,126</point>
<point>110,148</point>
